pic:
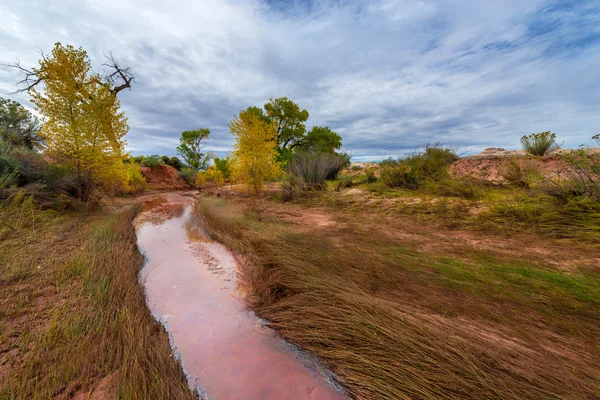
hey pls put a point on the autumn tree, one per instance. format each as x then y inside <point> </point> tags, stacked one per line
<point>190,148</point>
<point>18,127</point>
<point>255,151</point>
<point>83,124</point>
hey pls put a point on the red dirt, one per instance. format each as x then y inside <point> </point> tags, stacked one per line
<point>163,177</point>
<point>491,168</point>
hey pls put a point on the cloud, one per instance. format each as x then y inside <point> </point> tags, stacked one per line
<point>388,75</point>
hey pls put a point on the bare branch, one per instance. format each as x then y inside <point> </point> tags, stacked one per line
<point>30,77</point>
<point>120,78</point>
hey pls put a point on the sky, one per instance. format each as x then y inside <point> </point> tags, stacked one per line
<point>387,75</point>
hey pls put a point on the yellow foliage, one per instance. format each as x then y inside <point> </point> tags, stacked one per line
<point>83,126</point>
<point>255,152</point>
<point>200,179</point>
<point>214,176</point>
<point>210,178</point>
<point>135,179</point>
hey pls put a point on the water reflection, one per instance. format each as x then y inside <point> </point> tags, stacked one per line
<point>192,286</point>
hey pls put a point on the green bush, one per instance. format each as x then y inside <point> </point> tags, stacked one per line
<point>345,181</point>
<point>401,175</point>
<point>370,176</point>
<point>153,160</point>
<point>188,175</point>
<point>411,172</point>
<point>314,168</point>
<point>539,144</point>
<point>174,162</point>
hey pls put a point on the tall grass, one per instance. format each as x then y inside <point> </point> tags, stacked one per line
<point>371,310</point>
<point>314,168</point>
<point>582,178</point>
<point>309,171</point>
<point>93,323</point>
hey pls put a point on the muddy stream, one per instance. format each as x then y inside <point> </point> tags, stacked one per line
<point>192,288</point>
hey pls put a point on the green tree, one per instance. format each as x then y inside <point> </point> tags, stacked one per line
<point>322,139</point>
<point>190,149</point>
<point>18,126</point>
<point>289,121</point>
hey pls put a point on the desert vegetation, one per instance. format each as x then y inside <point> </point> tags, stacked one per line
<point>414,277</point>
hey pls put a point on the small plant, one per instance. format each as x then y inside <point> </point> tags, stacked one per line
<point>539,144</point>
<point>519,174</point>
<point>345,182</point>
<point>370,176</point>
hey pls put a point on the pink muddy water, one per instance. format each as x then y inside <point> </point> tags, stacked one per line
<point>192,287</point>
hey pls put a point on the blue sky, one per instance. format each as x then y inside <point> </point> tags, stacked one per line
<point>388,75</point>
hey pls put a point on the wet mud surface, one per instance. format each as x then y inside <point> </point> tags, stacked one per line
<point>192,287</point>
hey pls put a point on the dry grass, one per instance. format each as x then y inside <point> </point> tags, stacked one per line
<point>73,315</point>
<point>394,323</point>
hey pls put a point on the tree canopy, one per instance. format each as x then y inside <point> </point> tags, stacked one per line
<point>289,121</point>
<point>322,139</point>
<point>18,126</point>
<point>255,151</point>
<point>190,148</point>
<point>83,124</point>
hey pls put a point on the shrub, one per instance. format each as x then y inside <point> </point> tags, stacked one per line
<point>370,175</point>
<point>174,162</point>
<point>313,168</point>
<point>539,144</point>
<point>135,180</point>
<point>388,162</point>
<point>291,187</point>
<point>153,160</point>
<point>401,175</point>
<point>210,178</point>
<point>345,181</point>
<point>431,164</point>
<point>188,175</point>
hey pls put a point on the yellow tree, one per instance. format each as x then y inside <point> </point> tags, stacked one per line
<point>255,151</point>
<point>83,125</point>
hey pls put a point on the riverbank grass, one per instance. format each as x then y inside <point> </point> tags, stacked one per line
<point>73,316</point>
<point>398,320</point>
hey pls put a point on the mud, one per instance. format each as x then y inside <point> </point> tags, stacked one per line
<point>193,288</point>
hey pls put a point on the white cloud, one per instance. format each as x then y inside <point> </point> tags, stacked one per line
<point>388,75</point>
